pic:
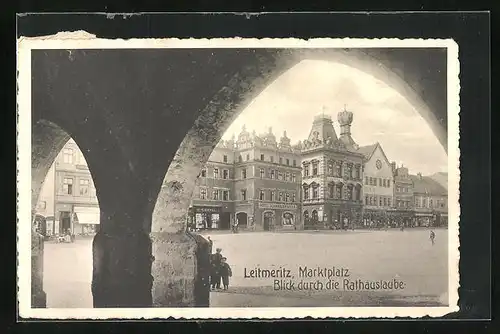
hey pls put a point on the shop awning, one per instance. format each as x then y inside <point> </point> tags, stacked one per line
<point>87,215</point>
<point>423,214</point>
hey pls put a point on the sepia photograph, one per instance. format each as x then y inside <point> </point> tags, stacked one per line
<point>237,178</point>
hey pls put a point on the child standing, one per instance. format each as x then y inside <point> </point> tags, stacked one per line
<point>225,272</point>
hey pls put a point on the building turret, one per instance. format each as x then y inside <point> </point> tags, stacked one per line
<point>345,120</point>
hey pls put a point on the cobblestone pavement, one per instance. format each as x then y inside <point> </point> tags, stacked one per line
<point>407,256</point>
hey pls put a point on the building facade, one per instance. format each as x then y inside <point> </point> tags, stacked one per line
<point>253,181</point>
<point>332,175</point>
<point>68,198</point>
<point>430,202</point>
<point>378,185</point>
<point>403,197</point>
<point>212,206</point>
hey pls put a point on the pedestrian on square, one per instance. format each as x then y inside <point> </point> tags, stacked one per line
<point>225,272</point>
<point>432,237</point>
<point>216,261</point>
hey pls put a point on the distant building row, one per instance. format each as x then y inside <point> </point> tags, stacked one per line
<point>326,181</point>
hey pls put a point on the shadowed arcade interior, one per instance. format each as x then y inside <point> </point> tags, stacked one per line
<point>139,115</point>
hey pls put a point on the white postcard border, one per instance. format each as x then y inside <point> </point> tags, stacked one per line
<point>82,40</point>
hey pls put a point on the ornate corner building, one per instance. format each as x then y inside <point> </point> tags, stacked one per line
<point>253,181</point>
<point>332,175</point>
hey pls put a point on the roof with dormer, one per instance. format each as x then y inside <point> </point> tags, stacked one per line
<point>322,129</point>
<point>441,178</point>
<point>367,150</point>
<point>426,185</point>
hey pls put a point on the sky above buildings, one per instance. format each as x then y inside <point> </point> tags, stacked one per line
<point>380,113</point>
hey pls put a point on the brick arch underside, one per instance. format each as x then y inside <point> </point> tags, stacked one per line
<point>48,139</point>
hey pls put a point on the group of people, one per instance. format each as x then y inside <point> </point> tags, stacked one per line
<point>219,269</point>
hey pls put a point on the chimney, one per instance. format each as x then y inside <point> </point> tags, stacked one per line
<point>393,165</point>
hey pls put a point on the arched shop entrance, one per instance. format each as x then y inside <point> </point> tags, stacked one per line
<point>268,220</point>
<point>242,219</point>
<point>288,219</point>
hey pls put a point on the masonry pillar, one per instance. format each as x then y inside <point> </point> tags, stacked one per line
<point>38,296</point>
<point>47,141</point>
<point>121,252</point>
<point>180,266</point>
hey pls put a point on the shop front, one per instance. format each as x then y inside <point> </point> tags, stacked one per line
<point>345,216</point>
<point>313,217</point>
<point>278,216</point>
<point>401,218</point>
<point>423,219</point>
<point>333,216</point>
<point>441,219</point>
<point>208,218</point>
<point>373,218</point>
<point>86,220</point>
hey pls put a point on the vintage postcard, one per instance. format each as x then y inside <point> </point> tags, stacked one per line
<point>237,178</point>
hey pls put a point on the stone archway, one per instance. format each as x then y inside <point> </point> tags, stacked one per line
<point>268,220</point>
<point>88,93</point>
<point>249,81</point>
<point>47,141</point>
<point>48,138</point>
<point>171,207</point>
<point>288,219</point>
<point>242,219</point>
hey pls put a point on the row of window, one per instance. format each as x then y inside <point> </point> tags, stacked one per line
<point>402,204</point>
<point>350,171</point>
<point>269,195</point>
<point>69,156</point>
<point>430,203</point>
<point>271,159</point>
<point>277,175</point>
<point>83,186</point>
<point>402,189</point>
<point>216,194</point>
<point>378,200</point>
<point>271,174</point>
<point>335,191</point>
<point>377,181</point>
<point>217,174</point>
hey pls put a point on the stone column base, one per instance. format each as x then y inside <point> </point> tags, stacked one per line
<point>38,296</point>
<point>38,299</point>
<point>122,269</point>
<point>180,270</point>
